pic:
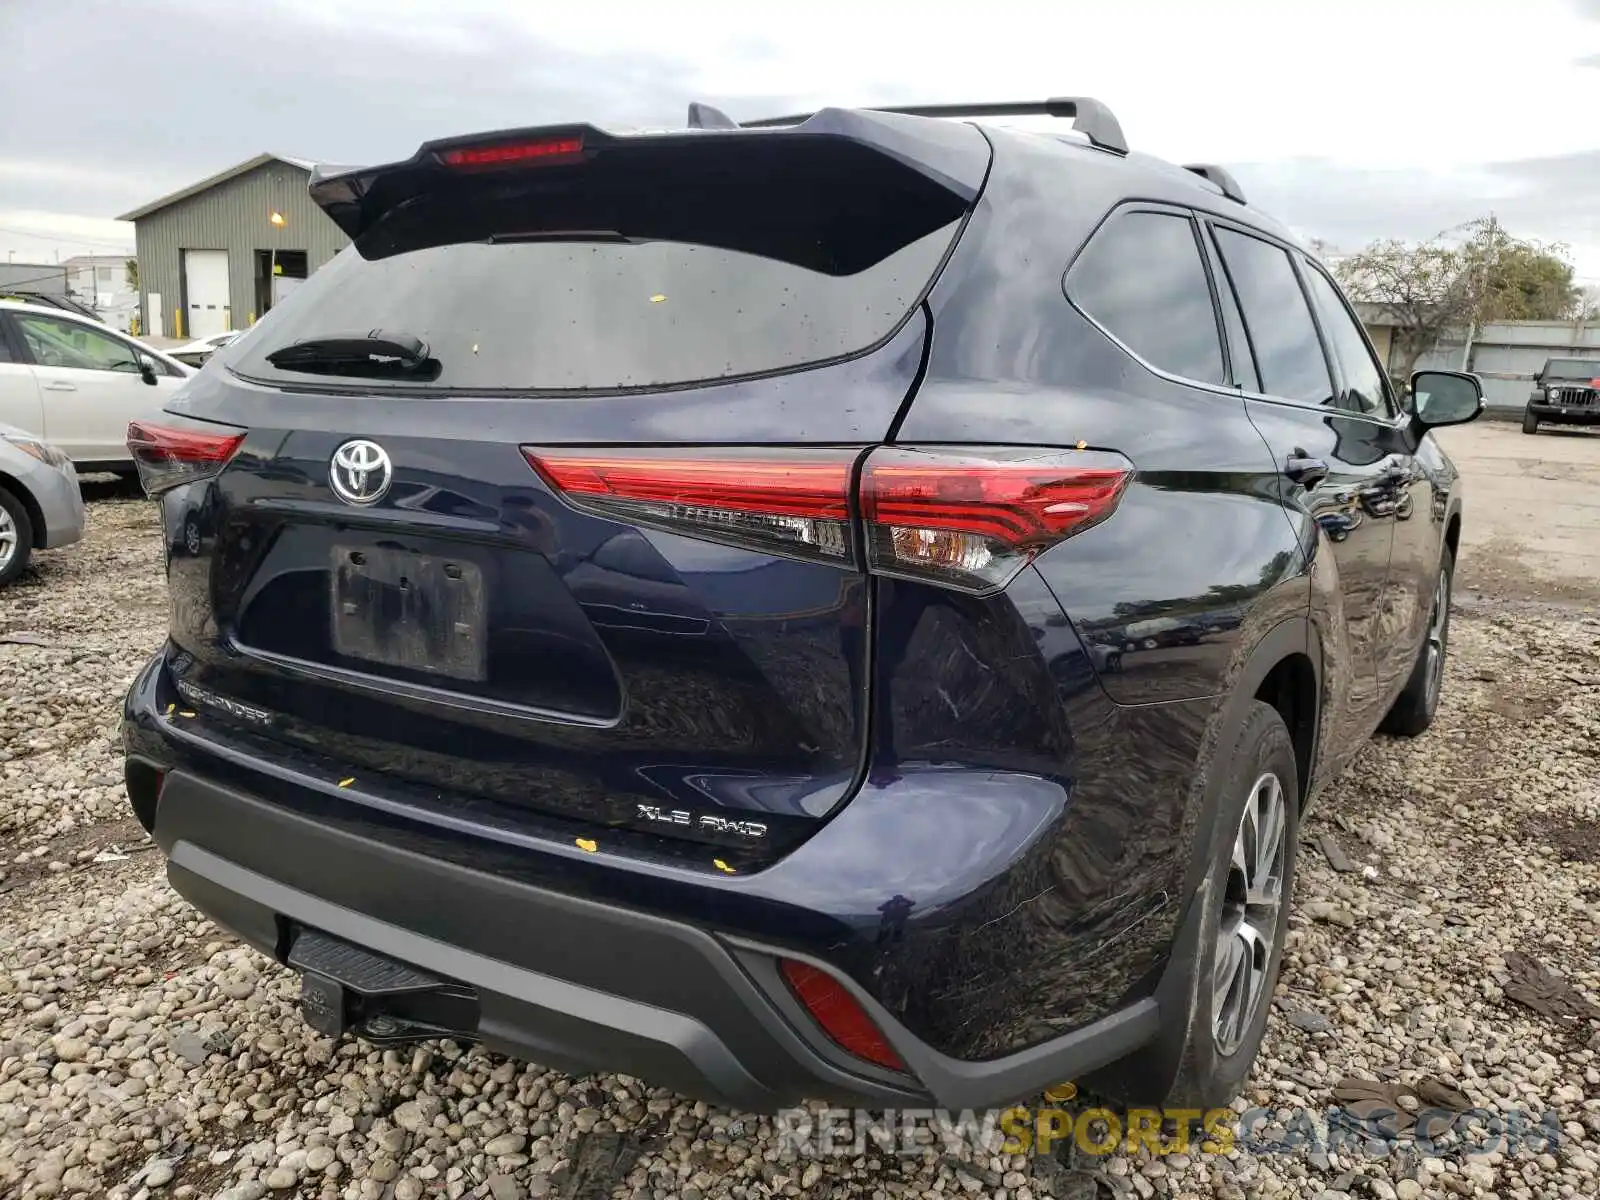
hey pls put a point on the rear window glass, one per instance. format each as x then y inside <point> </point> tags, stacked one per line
<point>596,315</point>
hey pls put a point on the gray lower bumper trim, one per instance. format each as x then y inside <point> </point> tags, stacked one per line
<point>556,997</point>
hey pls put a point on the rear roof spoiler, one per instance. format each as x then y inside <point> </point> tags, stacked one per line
<point>1089,116</point>
<point>954,157</point>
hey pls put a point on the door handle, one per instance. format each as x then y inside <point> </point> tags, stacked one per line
<point>59,385</point>
<point>1305,470</point>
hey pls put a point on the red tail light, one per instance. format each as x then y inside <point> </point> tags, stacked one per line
<point>797,502</point>
<point>974,518</point>
<point>842,1018</point>
<point>168,455</point>
<point>964,517</point>
<point>506,153</point>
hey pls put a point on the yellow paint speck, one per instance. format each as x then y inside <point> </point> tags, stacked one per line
<point>347,782</point>
<point>723,867</point>
<point>1083,445</point>
<point>171,708</point>
<point>186,713</point>
<point>588,844</point>
<point>1061,1091</point>
<point>657,298</point>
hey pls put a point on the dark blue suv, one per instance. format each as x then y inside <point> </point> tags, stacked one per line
<point>851,606</point>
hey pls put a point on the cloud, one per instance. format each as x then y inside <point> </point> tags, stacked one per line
<point>208,87</point>
<point>147,98</point>
<point>1589,60</point>
<point>1549,198</point>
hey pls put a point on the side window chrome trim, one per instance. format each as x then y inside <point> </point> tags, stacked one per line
<point>1397,423</point>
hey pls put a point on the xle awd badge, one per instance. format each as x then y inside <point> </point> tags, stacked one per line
<point>705,822</point>
<point>360,472</point>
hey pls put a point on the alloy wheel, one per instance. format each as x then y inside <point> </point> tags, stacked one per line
<point>1252,899</point>
<point>1436,633</point>
<point>8,538</point>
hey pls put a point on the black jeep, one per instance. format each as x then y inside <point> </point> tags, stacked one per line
<point>1566,391</point>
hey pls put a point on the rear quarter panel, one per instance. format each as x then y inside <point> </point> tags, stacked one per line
<point>1176,601</point>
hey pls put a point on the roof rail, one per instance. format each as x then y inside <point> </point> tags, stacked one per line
<point>1219,176</point>
<point>1089,116</point>
<point>704,116</point>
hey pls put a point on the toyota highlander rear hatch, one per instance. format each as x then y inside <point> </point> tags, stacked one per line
<point>533,508</point>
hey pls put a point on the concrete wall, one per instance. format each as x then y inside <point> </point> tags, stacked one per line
<point>231,216</point>
<point>1505,356</point>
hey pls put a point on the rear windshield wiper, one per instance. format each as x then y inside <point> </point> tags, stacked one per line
<point>377,352</point>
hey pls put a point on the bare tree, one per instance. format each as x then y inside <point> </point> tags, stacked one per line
<point>1457,280</point>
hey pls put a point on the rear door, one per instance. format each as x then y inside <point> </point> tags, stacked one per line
<point>1334,462</point>
<point>89,385</point>
<point>1405,491</point>
<point>19,391</point>
<point>585,556</point>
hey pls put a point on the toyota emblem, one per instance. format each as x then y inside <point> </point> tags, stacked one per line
<point>360,472</point>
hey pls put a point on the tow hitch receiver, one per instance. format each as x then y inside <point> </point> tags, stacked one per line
<point>344,987</point>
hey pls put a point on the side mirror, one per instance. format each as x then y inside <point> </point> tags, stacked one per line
<point>149,371</point>
<point>1445,398</point>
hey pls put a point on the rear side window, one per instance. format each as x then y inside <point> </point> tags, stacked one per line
<point>1364,390</point>
<point>1141,278</point>
<point>503,311</point>
<point>1289,354</point>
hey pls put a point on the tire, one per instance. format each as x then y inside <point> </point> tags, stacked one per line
<point>1530,422</point>
<point>16,537</point>
<point>1414,708</point>
<point>1223,1037</point>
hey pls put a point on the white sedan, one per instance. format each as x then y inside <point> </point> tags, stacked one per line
<point>77,383</point>
<point>195,353</point>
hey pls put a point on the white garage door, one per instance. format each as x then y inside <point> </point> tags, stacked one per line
<point>205,290</point>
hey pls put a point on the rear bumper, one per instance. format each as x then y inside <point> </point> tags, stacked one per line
<point>580,982</point>
<point>571,983</point>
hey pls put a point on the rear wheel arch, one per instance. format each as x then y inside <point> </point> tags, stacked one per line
<point>1285,671</point>
<point>1284,668</point>
<point>1284,661</point>
<point>1291,687</point>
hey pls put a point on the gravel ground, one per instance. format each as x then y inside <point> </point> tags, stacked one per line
<point>144,1053</point>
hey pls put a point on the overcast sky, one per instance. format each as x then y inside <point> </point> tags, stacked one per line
<point>1348,119</point>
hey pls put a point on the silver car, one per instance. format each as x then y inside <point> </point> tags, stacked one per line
<point>41,507</point>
